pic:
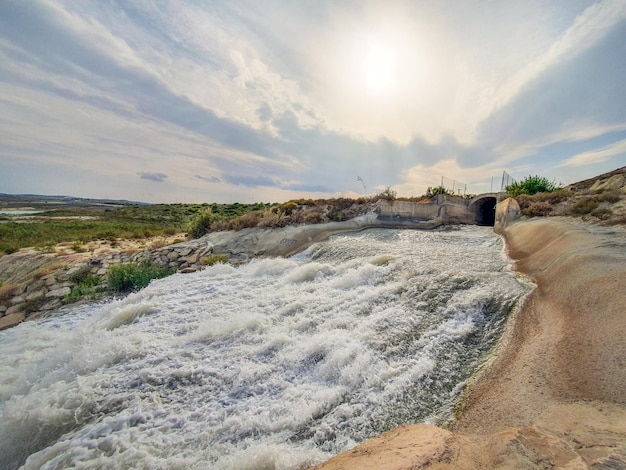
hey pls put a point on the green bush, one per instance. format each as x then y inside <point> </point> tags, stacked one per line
<point>87,287</point>
<point>201,224</point>
<point>127,277</point>
<point>432,192</point>
<point>532,185</point>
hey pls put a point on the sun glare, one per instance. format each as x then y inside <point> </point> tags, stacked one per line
<point>379,68</point>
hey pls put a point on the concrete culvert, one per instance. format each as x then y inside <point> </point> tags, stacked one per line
<point>485,211</point>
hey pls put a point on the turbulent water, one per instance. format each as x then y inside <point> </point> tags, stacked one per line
<point>276,364</point>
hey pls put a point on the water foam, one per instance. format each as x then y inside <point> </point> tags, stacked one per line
<point>279,363</point>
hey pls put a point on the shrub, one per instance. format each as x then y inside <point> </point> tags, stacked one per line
<point>272,220</point>
<point>201,224</point>
<point>602,213</point>
<point>251,219</point>
<point>585,206</point>
<point>556,196</point>
<point>524,201</point>
<point>608,196</point>
<point>10,249</point>
<point>537,209</point>
<point>287,208</point>
<point>336,215</point>
<point>210,260</point>
<point>33,305</point>
<point>388,194</point>
<point>88,287</point>
<point>432,192</point>
<point>314,217</point>
<point>158,244</point>
<point>130,276</point>
<point>80,274</point>
<point>77,246</point>
<point>532,185</point>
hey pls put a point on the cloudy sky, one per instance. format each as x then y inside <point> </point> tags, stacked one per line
<point>267,100</point>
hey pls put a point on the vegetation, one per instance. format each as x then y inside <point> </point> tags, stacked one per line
<point>127,277</point>
<point>388,194</point>
<point>79,226</point>
<point>585,206</point>
<point>531,185</point>
<point>88,287</point>
<point>432,192</point>
<point>210,260</point>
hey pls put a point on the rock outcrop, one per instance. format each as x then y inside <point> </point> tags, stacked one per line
<point>35,284</point>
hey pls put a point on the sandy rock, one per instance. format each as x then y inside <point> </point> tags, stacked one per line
<point>12,319</point>
<point>405,447</point>
<point>612,183</point>
<point>59,292</point>
<point>36,285</point>
<point>13,309</point>
<point>36,294</point>
<point>188,270</point>
<point>17,299</point>
<point>51,304</point>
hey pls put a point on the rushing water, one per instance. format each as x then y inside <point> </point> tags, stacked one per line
<point>276,364</point>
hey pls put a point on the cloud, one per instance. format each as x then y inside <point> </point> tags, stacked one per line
<point>597,156</point>
<point>573,100</point>
<point>211,179</point>
<point>156,177</point>
<point>250,181</point>
<point>259,105</point>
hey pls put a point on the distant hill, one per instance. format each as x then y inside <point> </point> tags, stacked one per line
<point>46,202</point>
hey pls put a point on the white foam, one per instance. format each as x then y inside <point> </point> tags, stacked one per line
<point>278,363</point>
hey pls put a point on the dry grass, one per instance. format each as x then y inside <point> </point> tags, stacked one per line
<point>47,270</point>
<point>7,291</point>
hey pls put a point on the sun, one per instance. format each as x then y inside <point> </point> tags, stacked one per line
<point>379,68</point>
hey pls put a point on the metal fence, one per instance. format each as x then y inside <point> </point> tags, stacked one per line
<point>507,180</point>
<point>454,186</point>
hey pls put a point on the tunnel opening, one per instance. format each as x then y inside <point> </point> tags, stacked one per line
<point>485,211</point>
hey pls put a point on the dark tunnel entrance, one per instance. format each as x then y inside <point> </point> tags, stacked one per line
<point>485,211</point>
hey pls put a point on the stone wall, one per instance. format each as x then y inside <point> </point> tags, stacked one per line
<point>35,284</point>
<point>447,209</point>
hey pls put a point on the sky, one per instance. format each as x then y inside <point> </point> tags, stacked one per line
<point>270,100</point>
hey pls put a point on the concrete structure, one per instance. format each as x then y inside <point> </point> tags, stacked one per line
<point>445,209</point>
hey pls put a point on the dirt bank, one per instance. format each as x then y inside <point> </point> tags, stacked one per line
<point>555,395</point>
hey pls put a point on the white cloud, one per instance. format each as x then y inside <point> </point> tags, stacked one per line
<point>597,156</point>
<point>588,28</point>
